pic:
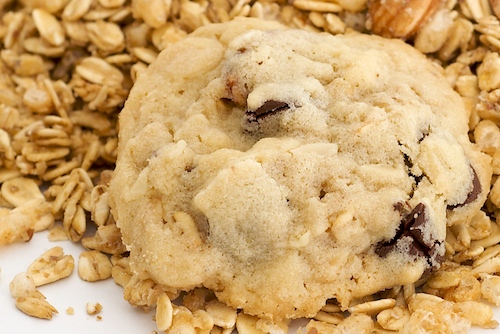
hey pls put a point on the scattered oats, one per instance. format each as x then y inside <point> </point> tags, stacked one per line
<point>70,311</point>
<point>48,26</point>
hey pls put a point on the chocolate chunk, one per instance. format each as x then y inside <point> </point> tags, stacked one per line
<point>409,165</point>
<point>268,108</point>
<point>473,194</point>
<point>271,106</point>
<point>399,206</point>
<point>411,231</point>
<point>415,222</point>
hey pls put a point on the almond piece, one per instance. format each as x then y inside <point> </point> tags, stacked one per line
<point>495,6</point>
<point>399,18</point>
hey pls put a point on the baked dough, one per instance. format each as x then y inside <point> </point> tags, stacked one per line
<point>282,168</point>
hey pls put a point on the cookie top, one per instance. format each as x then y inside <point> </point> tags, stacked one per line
<point>281,168</point>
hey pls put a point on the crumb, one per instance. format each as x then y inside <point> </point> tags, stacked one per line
<point>93,308</point>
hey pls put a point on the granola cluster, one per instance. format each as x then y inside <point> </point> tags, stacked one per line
<point>66,68</point>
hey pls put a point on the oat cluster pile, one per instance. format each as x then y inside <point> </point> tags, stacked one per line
<point>66,70</point>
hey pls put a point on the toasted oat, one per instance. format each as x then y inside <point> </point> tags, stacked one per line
<point>329,318</point>
<point>107,239</point>
<point>48,26</point>
<point>20,190</point>
<point>393,318</point>
<point>222,315</point>
<point>373,307</point>
<point>401,19</point>
<point>35,307</point>
<point>23,285</point>
<point>51,266</point>
<point>20,223</point>
<point>144,293</point>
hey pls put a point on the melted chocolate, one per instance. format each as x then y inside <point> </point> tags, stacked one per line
<point>473,194</point>
<point>411,229</point>
<point>270,107</point>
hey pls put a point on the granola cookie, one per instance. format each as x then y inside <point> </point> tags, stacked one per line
<point>282,168</point>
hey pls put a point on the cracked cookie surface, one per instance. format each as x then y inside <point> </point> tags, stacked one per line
<point>281,168</point>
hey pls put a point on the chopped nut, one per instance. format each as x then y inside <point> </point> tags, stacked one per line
<point>490,288</point>
<point>393,318</point>
<point>432,36</point>
<point>222,315</point>
<point>57,233</point>
<point>329,318</point>
<point>94,266</point>
<point>20,223</point>
<point>51,266</point>
<point>164,312</point>
<point>186,321</point>
<point>93,308</point>
<point>107,239</point>
<point>35,307</point>
<point>247,324</point>
<point>399,18</point>
<point>495,6</point>
<point>144,293</point>
<point>23,285</point>
<point>28,299</point>
<point>100,206</point>
<point>488,72</point>
<point>373,307</point>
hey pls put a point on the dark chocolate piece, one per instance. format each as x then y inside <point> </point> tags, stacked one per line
<point>270,107</point>
<point>411,230</point>
<point>473,194</point>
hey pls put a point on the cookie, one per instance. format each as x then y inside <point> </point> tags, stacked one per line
<point>282,168</point>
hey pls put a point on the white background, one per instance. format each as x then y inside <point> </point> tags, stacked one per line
<point>117,315</point>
